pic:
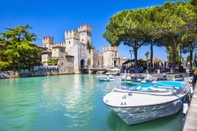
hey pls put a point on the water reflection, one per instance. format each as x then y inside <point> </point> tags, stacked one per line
<point>72,95</point>
<point>162,124</point>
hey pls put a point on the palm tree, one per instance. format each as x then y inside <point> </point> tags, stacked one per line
<point>147,55</point>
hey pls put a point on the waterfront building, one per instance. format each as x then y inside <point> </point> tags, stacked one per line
<point>110,56</point>
<point>72,54</point>
<point>77,52</point>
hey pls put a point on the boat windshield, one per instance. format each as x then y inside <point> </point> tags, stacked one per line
<point>155,86</point>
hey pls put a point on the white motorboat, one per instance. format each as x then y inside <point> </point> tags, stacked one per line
<point>111,75</point>
<point>138,104</point>
<point>106,77</point>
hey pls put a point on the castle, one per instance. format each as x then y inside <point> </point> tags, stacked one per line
<point>77,52</point>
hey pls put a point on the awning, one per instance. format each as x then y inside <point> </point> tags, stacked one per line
<point>133,60</point>
<point>128,61</point>
<point>141,60</point>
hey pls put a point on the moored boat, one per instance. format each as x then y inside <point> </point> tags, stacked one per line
<point>141,104</point>
<point>111,75</point>
<point>106,78</point>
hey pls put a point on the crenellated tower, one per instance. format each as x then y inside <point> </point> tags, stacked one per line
<point>48,41</point>
<point>110,56</point>
<point>85,33</point>
<point>72,38</point>
<point>113,49</point>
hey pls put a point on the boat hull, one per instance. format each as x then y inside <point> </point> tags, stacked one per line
<point>136,115</point>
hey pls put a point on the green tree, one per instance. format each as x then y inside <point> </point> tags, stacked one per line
<point>52,62</point>
<point>169,51</point>
<point>19,47</point>
<point>170,25</point>
<point>147,55</point>
<point>194,3</point>
<point>149,30</point>
<point>124,28</point>
<point>89,47</point>
<point>3,63</point>
<point>189,39</point>
<point>174,23</point>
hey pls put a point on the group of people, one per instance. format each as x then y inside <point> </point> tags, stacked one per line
<point>142,69</point>
<point>132,69</point>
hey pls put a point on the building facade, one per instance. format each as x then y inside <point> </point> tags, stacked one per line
<point>72,54</point>
<point>77,52</point>
<point>110,56</point>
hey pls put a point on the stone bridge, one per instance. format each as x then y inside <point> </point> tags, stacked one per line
<point>94,70</point>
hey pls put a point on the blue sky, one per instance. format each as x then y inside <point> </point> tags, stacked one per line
<point>54,17</point>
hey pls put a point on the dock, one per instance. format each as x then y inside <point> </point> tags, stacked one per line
<point>191,117</point>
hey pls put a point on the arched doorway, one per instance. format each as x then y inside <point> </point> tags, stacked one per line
<point>82,63</point>
<point>115,63</point>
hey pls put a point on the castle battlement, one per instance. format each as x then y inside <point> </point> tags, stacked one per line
<point>110,48</point>
<point>48,39</point>
<point>70,34</point>
<point>61,43</point>
<point>85,28</point>
<point>95,51</point>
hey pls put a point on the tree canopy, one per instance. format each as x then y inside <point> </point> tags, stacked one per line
<point>122,29</point>
<point>173,24</point>
<point>17,48</point>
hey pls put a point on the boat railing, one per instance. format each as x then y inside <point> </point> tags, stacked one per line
<point>177,89</point>
<point>161,89</point>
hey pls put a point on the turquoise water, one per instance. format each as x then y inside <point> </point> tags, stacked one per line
<point>164,84</point>
<point>66,103</point>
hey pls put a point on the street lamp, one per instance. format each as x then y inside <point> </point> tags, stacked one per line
<point>131,53</point>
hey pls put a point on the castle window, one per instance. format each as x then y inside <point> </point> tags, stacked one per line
<point>62,54</point>
<point>61,64</point>
<point>49,55</point>
<point>69,42</point>
<point>89,34</point>
<point>82,40</point>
